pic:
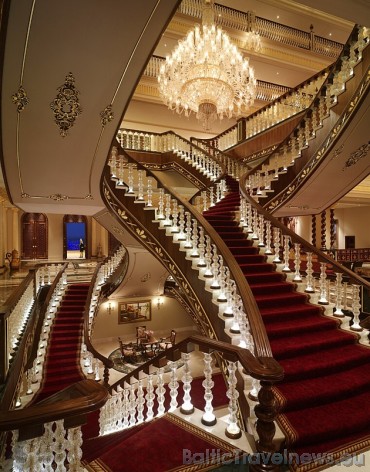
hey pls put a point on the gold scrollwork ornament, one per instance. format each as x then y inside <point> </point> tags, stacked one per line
<point>66,106</point>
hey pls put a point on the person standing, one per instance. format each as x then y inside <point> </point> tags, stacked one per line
<point>82,247</point>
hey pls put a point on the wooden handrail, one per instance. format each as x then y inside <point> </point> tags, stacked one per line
<point>70,404</point>
<point>352,276</point>
<point>262,344</point>
<point>262,368</point>
<point>108,364</point>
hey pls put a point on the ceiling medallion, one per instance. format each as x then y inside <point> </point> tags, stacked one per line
<point>66,106</point>
<point>357,155</point>
<point>107,115</point>
<point>20,99</point>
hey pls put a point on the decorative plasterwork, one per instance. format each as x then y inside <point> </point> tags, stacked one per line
<point>140,232</point>
<point>360,153</point>
<point>20,99</point>
<point>322,153</point>
<point>66,106</point>
<point>107,115</point>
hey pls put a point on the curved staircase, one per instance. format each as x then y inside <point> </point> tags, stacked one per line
<point>323,397</point>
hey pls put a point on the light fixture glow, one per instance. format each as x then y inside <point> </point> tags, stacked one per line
<point>206,74</point>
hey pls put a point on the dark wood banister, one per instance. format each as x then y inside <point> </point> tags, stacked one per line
<point>108,364</point>
<point>352,276</point>
<point>262,368</point>
<point>71,404</point>
<point>311,109</point>
<point>262,344</point>
<point>276,101</point>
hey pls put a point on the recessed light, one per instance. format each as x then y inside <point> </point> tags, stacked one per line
<point>278,17</point>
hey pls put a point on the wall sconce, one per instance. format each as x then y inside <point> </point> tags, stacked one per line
<point>109,308</point>
<point>159,302</point>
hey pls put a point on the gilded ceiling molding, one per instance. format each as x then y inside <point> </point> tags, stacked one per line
<point>20,99</point>
<point>66,106</point>
<point>141,233</point>
<point>107,115</point>
<point>325,149</point>
<point>360,153</point>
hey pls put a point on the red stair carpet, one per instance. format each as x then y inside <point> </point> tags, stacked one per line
<point>62,363</point>
<point>165,444</point>
<point>325,394</point>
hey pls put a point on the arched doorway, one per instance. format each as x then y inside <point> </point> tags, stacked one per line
<point>74,229</point>
<point>34,236</point>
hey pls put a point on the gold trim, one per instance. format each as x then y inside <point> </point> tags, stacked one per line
<point>107,115</point>
<point>20,99</point>
<point>355,156</point>
<point>146,238</point>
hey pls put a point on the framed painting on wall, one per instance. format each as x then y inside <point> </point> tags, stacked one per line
<point>134,311</point>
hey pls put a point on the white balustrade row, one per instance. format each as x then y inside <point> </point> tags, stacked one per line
<point>259,183</point>
<point>165,142</point>
<point>57,449</point>
<point>339,293</point>
<point>34,375</point>
<point>125,407</point>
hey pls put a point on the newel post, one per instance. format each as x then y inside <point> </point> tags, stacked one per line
<point>266,413</point>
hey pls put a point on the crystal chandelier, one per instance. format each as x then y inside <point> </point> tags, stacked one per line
<point>206,74</point>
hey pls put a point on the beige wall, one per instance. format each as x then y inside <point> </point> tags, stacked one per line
<point>351,221</point>
<point>169,316</point>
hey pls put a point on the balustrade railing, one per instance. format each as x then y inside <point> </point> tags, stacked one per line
<point>261,178</point>
<point>329,283</point>
<point>15,313</point>
<point>248,22</point>
<point>145,388</point>
<point>92,362</point>
<point>166,142</point>
<point>283,107</point>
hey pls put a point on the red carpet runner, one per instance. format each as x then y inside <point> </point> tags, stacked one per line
<point>166,444</point>
<point>325,395</point>
<point>95,446</point>
<point>62,367</point>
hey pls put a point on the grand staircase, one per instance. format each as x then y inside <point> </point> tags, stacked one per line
<point>62,365</point>
<point>326,369</point>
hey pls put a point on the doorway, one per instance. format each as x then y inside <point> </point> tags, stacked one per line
<point>74,232</point>
<point>34,236</point>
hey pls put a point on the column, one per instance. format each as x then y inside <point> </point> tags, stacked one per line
<point>2,247</point>
<point>104,240</point>
<point>5,229</point>
<point>15,244</point>
<point>93,250</point>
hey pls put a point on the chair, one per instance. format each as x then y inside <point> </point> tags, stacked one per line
<point>171,339</point>
<point>141,335</point>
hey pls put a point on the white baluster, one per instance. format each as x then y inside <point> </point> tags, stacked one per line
<point>174,385</point>
<point>356,308</point>
<point>232,431</point>
<point>208,419</point>
<point>338,296</point>
<point>187,407</point>
<point>323,292</point>
<point>297,262</point>
<point>309,278</point>
<point>160,390</point>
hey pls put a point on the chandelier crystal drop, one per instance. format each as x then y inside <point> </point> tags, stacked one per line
<point>206,74</point>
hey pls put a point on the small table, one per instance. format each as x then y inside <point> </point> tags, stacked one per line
<point>129,352</point>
